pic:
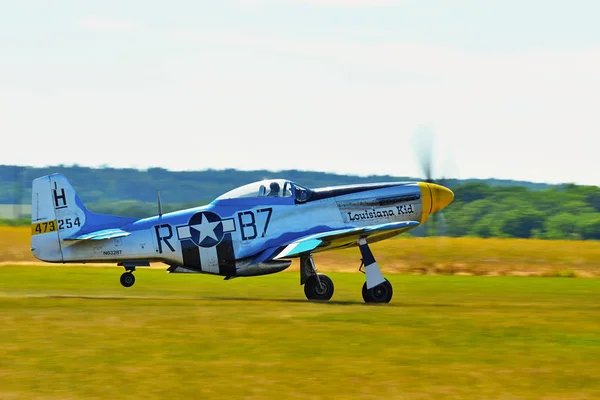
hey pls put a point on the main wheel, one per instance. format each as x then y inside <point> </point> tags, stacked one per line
<point>314,291</point>
<point>127,279</point>
<point>381,293</point>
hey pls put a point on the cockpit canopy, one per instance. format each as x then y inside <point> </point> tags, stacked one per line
<point>280,188</point>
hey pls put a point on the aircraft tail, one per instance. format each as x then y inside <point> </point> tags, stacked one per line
<point>57,214</point>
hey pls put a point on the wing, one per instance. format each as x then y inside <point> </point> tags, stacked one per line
<point>101,235</point>
<point>334,239</point>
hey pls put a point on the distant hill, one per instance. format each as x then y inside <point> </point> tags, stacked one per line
<point>481,207</point>
<point>197,187</point>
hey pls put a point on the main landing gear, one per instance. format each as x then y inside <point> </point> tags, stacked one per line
<point>381,293</point>
<point>317,286</point>
<point>376,289</point>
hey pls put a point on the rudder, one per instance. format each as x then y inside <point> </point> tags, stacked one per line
<point>56,213</point>
<point>45,241</point>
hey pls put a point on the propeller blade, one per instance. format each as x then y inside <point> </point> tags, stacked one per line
<point>423,142</point>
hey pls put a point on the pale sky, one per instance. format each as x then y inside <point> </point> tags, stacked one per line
<point>510,88</point>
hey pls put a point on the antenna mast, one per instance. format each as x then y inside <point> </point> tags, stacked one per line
<point>159,205</point>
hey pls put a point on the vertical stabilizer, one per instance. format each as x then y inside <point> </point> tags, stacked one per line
<point>56,213</point>
<point>45,243</point>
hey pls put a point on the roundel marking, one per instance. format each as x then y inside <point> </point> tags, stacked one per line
<point>206,229</point>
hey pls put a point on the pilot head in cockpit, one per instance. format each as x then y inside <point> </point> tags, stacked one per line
<point>274,189</point>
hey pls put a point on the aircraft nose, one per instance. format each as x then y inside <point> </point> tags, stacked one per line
<point>434,198</point>
<point>440,197</point>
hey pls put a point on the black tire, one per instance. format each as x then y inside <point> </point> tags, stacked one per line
<point>381,293</point>
<point>127,279</point>
<point>366,294</point>
<point>313,291</point>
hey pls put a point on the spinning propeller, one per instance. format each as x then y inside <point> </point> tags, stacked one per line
<point>424,146</point>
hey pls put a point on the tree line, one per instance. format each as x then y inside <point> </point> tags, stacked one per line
<point>558,212</point>
<point>482,208</point>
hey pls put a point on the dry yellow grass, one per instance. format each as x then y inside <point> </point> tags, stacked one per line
<point>15,243</point>
<point>477,256</point>
<point>423,255</point>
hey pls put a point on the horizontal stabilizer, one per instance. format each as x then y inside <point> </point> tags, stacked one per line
<point>101,235</point>
<point>340,237</point>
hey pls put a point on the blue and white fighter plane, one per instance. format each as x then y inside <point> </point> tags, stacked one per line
<point>255,229</point>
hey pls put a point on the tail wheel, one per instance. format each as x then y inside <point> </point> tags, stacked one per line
<point>127,279</point>
<point>314,291</point>
<point>381,293</point>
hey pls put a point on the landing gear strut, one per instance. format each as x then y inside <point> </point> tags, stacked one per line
<point>376,289</point>
<point>316,286</point>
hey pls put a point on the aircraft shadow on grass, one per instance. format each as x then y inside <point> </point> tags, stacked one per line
<point>244,299</point>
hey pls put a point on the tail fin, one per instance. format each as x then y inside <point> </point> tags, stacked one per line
<point>45,243</point>
<point>57,213</point>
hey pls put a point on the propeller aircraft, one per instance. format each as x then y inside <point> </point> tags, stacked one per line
<point>252,230</point>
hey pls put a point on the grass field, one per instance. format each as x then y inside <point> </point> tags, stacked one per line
<point>473,256</point>
<point>74,333</point>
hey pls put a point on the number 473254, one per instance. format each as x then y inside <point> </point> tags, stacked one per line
<point>52,226</point>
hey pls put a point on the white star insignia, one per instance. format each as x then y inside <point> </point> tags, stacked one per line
<point>205,229</point>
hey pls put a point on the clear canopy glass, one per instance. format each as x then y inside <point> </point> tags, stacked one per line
<point>268,187</point>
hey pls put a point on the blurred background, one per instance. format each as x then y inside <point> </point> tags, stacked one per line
<point>501,208</point>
